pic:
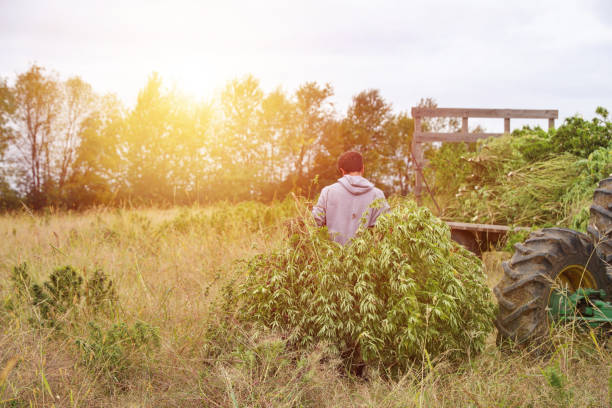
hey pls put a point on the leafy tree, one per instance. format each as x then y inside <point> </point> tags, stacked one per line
<point>367,118</point>
<point>313,111</point>
<point>36,111</point>
<point>193,164</point>
<point>400,130</point>
<point>366,127</point>
<point>275,134</point>
<point>437,124</point>
<point>577,136</point>
<point>45,125</point>
<point>61,144</point>
<point>8,196</point>
<point>371,128</point>
<point>239,154</point>
<point>7,108</point>
<point>534,143</point>
<point>582,137</point>
<point>96,170</point>
<point>78,103</point>
<point>160,145</point>
<point>324,169</point>
<point>146,143</point>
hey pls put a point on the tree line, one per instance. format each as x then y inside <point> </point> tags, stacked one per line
<point>64,145</point>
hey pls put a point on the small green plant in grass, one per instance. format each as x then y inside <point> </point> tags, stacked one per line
<point>63,293</point>
<point>60,293</point>
<point>100,294</point>
<point>266,357</point>
<point>558,383</point>
<point>21,280</point>
<point>113,351</point>
<point>223,334</point>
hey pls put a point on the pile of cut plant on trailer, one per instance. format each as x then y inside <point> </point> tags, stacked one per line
<point>399,292</point>
<point>531,177</point>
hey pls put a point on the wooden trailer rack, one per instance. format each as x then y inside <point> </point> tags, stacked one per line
<point>475,237</point>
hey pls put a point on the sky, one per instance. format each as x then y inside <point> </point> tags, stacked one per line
<point>534,54</point>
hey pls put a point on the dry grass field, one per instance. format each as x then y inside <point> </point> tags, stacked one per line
<point>154,346</point>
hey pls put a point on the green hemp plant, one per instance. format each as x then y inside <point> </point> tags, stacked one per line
<point>64,295</point>
<point>398,292</point>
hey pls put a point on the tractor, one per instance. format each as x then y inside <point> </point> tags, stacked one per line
<point>559,275</point>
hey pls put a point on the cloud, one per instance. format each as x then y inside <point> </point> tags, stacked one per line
<point>544,54</point>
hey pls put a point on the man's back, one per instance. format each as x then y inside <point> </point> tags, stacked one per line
<point>341,206</point>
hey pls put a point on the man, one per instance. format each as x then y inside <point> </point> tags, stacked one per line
<point>342,205</point>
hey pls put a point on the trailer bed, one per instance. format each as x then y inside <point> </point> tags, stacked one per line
<point>479,238</point>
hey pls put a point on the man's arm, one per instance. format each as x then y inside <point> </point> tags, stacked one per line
<point>319,210</point>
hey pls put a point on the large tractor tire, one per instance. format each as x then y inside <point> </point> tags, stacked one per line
<point>600,223</point>
<point>549,259</point>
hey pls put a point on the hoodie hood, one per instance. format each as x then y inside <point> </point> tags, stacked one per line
<point>356,185</point>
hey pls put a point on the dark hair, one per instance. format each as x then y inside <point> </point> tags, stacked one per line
<point>350,162</point>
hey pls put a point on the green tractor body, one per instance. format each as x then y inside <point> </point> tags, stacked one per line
<point>584,306</point>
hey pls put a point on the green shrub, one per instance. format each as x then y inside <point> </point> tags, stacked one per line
<point>63,293</point>
<point>598,165</point>
<point>400,291</point>
<point>579,195</point>
<point>222,333</point>
<point>576,135</point>
<point>100,294</point>
<point>114,351</point>
<point>581,137</point>
<point>21,280</point>
<point>59,294</point>
<point>447,167</point>
<point>533,144</point>
<point>557,381</point>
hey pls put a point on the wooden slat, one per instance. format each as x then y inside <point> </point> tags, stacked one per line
<point>417,125</point>
<point>485,113</point>
<point>464,226</point>
<point>507,125</point>
<point>420,137</point>
<point>417,151</point>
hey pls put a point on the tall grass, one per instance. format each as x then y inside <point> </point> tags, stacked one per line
<point>169,268</point>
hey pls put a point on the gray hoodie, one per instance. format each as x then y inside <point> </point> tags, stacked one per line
<point>341,206</point>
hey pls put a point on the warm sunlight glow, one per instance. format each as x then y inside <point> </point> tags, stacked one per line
<point>320,203</point>
<point>199,52</point>
<point>196,46</point>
